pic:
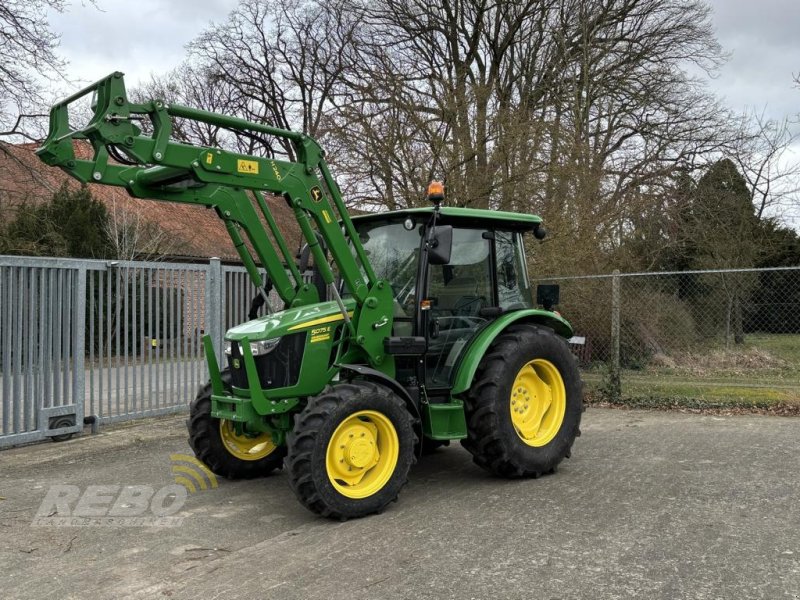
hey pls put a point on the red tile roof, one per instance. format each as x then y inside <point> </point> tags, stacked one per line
<point>196,231</point>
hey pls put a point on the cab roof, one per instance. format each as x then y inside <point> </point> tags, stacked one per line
<point>455,215</point>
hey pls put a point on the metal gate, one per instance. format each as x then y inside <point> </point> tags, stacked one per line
<point>41,310</point>
<point>108,341</point>
<point>144,326</point>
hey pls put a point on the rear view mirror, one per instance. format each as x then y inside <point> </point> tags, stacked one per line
<point>547,296</point>
<point>441,245</point>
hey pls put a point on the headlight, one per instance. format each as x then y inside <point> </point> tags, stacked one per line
<point>256,348</point>
<point>264,346</point>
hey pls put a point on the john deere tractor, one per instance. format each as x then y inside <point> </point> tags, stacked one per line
<point>422,328</point>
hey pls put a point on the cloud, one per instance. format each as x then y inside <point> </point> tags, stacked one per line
<point>762,39</point>
<point>137,37</point>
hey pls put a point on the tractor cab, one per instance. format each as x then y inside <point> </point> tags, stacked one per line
<point>448,298</point>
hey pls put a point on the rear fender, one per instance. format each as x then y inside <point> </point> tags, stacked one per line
<point>471,358</point>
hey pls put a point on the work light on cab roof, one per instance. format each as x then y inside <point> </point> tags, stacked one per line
<point>435,192</point>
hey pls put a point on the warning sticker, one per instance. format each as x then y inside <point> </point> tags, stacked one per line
<point>247,166</point>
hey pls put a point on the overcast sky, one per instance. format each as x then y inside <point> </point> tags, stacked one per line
<point>137,37</point>
<point>140,37</point>
<point>762,37</point>
<point>144,36</point>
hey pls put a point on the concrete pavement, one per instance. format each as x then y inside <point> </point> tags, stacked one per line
<point>652,505</point>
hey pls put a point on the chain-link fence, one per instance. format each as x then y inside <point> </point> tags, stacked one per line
<point>710,336</point>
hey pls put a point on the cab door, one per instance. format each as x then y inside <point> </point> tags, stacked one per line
<point>458,293</point>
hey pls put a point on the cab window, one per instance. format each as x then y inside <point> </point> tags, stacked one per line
<point>513,289</point>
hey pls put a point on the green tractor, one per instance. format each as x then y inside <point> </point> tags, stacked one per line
<point>419,328</point>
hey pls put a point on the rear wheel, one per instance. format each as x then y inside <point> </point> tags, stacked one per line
<point>524,408</point>
<point>350,450</point>
<point>226,451</point>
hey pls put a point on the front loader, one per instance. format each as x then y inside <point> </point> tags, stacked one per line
<point>422,329</point>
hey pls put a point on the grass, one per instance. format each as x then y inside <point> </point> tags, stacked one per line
<point>725,391</point>
<point>763,375</point>
<point>783,346</point>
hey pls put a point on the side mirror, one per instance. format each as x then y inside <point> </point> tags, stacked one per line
<point>547,295</point>
<point>441,246</point>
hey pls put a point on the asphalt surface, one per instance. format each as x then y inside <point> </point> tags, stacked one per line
<point>652,505</point>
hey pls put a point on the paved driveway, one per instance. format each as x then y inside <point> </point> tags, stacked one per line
<point>652,505</point>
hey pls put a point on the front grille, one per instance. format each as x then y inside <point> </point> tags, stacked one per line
<point>277,369</point>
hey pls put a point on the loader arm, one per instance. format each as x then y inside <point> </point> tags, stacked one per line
<point>153,166</point>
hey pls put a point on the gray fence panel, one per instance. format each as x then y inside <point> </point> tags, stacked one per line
<point>144,338</point>
<point>41,309</point>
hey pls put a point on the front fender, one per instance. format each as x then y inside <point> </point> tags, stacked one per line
<point>472,356</point>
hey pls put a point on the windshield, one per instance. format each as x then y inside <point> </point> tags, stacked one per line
<point>393,252</point>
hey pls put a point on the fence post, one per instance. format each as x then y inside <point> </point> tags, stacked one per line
<point>214,305</point>
<point>615,382</point>
<point>79,358</point>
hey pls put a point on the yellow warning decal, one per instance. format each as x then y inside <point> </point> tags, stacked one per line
<point>327,217</point>
<point>209,158</point>
<point>247,166</point>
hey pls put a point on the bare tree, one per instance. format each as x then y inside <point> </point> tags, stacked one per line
<point>196,86</point>
<point>762,152</point>
<point>582,111</point>
<point>134,238</point>
<point>278,64</point>
<point>28,51</point>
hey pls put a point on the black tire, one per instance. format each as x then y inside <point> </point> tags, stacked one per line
<point>492,438</point>
<point>206,442</point>
<point>314,428</point>
<point>58,423</point>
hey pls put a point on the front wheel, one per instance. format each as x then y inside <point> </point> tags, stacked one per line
<point>229,452</point>
<point>524,407</point>
<point>350,450</point>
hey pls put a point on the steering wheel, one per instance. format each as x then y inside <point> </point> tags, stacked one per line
<point>468,305</point>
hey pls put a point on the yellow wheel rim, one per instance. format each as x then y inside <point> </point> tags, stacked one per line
<point>362,454</point>
<point>245,447</point>
<point>538,402</point>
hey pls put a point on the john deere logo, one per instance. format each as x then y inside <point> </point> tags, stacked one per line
<point>190,473</point>
<point>316,194</point>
